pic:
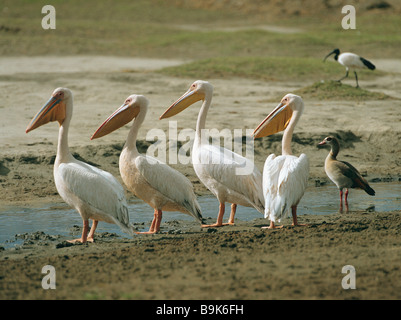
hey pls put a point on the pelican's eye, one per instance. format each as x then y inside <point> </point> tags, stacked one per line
<point>59,95</point>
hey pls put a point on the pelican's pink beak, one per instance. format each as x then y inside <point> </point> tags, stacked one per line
<point>275,122</point>
<point>187,99</point>
<point>117,119</point>
<point>53,110</point>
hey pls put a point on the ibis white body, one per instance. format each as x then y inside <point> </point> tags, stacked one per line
<point>351,62</point>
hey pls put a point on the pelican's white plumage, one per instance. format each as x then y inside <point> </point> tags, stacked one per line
<point>284,183</point>
<point>94,193</point>
<point>216,167</point>
<point>151,180</point>
<point>285,177</point>
<point>160,185</point>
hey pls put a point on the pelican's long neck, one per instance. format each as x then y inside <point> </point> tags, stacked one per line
<point>130,144</point>
<point>201,122</point>
<point>288,132</point>
<point>63,151</point>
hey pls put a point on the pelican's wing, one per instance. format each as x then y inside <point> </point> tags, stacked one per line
<point>96,188</point>
<point>169,182</point>
<point>284,182</point>
<point>228,169</point>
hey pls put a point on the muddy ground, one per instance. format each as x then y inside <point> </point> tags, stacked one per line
<point>238,262</point>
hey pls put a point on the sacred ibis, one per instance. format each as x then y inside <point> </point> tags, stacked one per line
<point>351,61</point>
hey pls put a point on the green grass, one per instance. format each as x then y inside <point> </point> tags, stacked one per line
<point>333,90</point>
<point>152,28</point>
<point>263,68</point>
<point>93,296</point>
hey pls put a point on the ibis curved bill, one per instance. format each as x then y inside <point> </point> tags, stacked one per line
<point>285,177</point>
<point>151,180</point>
<point>217,167</point>
<point>342,173</point>
<point>94,193</point>
<point>351,61</point>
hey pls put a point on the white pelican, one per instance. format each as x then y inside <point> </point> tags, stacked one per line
<point>351,61</point>
<point>284,177</point>
<point>342,173</point>
<point>94,193</point>
<point>151,180</point>
<point>217,167</point>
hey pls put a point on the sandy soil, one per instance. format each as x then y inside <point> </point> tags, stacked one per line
<point>239,262</point>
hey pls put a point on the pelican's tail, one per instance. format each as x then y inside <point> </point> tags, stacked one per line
<point>276,209</point>
<point>260,207</point>
<point>128,229</point>
<point>260,202</point>
<point>194,210</point>
<point>122,220</point>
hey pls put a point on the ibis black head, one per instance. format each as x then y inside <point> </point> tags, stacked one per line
<point>336,52</point>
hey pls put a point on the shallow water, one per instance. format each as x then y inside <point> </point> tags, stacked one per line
<point>58,219</point>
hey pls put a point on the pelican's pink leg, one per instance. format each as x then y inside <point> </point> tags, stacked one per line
<point>92,231</point>
<point>294,217</point>
<point>159,214</point>
<point>152,228</point>
<point>219,221</point>
<point>232,214</point>
<point>272,226</point>
<point>84,233</point>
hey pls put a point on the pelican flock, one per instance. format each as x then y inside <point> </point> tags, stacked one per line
<point>351,61</point>
<point>94,193</point>
<point>285,177</point>
<point>276,193</point>
<point>217,167</point>
<point>151,180</point>
<point>342,173</point>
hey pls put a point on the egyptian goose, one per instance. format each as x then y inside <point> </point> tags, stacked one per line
<point>342,173</point>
